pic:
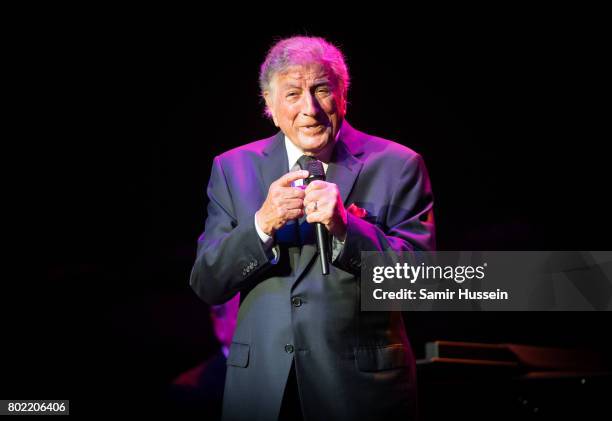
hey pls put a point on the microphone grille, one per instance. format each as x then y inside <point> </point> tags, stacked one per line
<point>316,170</point>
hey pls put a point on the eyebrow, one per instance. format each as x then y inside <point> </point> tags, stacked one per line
<point>289,85</point>
<point>316,84</point>
<point>320,82</point>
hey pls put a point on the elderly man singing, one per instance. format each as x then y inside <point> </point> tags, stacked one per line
<point>302,348</point>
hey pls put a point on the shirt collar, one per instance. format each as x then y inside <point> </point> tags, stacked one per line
<point>294,153</point>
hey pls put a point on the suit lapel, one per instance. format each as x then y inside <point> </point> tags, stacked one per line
<point>274,163</point>
<point>342,170</point>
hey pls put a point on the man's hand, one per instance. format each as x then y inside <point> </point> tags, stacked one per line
<point>323,204</point>
<point>283,203</point>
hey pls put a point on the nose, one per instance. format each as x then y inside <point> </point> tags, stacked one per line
<point>310,106</point>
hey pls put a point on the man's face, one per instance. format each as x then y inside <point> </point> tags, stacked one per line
<point>307,104</point>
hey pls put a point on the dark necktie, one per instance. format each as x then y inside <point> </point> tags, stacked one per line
<point>304,160</point>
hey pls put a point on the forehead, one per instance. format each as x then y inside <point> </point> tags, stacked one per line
<point>303,74</point>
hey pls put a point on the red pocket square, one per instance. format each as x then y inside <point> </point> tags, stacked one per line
<point>357,211</point>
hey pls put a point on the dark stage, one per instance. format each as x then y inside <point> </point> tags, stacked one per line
<point>123,119</point>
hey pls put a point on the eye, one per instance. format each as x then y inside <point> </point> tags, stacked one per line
<point>291,94</point>
<point>323,90</point>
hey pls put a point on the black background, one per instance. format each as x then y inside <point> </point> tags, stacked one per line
<point>119,119</point>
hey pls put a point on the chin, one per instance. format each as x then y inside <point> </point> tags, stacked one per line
<point>317,143</point>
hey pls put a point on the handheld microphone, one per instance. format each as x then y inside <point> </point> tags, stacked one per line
<point>317,172</point>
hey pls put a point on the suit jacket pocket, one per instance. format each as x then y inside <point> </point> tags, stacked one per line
<point>238,355</point>
<point>381,357</point>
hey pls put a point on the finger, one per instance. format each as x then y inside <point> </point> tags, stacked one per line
<point>313,196</point>
<point>290,177</point>
<point>294,214</point>
<point>292,193</point>
<point>321,208</point>
<point>308,208</point>
<point>312,205</point>
<point>316,185</point>
<point>293,204</point>
<point>313,217</point>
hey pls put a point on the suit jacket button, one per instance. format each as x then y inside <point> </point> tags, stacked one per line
<point>296,301</point>
<point>288,348</point>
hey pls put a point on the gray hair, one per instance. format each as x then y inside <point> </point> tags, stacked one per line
<point>301,50</point>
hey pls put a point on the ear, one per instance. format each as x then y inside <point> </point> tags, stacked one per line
<point>269,105</point>
<point>344,106</point>
<point>342,102</point>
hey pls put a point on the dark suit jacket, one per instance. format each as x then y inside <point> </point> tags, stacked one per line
<point>349,364</point>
